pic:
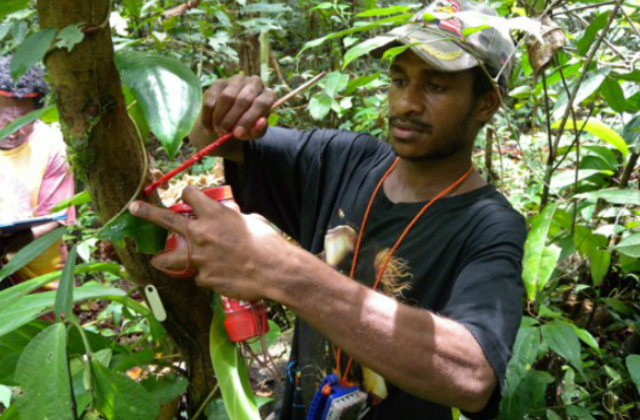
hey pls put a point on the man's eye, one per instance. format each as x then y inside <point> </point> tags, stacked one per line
<point>397,82</point>
<point>435,88</point>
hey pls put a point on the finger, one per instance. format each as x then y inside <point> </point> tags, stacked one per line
<point>226,101</point>
<point>171,261</point>
<point>259,128</point>
<point>209,103</point>
<point>199,202</point>
<point>161,217</point>
<point>245,100</point>
<point>259,109</point>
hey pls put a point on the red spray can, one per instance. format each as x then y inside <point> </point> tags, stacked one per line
<point>244,320</point>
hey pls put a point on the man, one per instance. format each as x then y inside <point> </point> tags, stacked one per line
<point>34,174</point>
<point>441,247</point>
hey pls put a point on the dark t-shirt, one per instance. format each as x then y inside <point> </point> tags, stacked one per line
<point>462,260</point>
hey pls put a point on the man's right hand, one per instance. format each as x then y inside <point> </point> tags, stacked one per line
<point>241,104</point>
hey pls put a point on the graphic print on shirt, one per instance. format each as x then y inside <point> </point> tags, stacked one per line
<point>339,248</point>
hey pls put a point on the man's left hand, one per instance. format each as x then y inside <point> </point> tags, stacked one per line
<point>233,253</point>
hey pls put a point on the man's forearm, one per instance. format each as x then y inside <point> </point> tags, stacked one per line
<point>429,356</point>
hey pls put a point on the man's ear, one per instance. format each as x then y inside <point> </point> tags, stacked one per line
<point>489,104</point>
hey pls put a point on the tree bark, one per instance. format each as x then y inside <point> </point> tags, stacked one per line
<point>106,154</point>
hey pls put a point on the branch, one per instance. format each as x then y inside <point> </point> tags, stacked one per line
<point>182,9</point>
<point>628,170</point>
<point>590,6</point>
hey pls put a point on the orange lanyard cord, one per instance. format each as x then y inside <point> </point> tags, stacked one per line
<point>395,246</point>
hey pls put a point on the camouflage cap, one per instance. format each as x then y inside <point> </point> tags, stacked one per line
<point>455,35</point>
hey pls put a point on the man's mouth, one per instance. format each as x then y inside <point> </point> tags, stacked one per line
<point>407,130</point>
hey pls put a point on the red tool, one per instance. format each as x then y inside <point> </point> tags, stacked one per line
<point>149,189</point>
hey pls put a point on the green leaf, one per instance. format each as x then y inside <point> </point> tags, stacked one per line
<point>231,372</point>
<point>360,82</point>
<point>612,93</point>
<point>629,246</point>
<point>43,375</point>
<point>563,340</point>
<point>69,37</point>
<point>525,353</point>
<point>384,11</point>
<point>31,51</point>
<point>588,87</point>
<point>335,83</point>
<point>16,125</point>
<point>149,238</point>
<point>566,179</point>
<point>165,389</point>
<point>11,6</point>
<point>270,338</point>
<point>593,247</point>
<point>14,293</point>
<point>586,337</point>
<point>362,48</point>
<point>31,307</point>
<point>117,397</point>
<point>600,130</point>
<point>77,200</point>
<point>64,294</point>
<point>534,265</point>
<point>527,396</point>
<point>590,33</point>
<point>320,105</point>
<point>266,8</point>
<point>365,27</point>
<point>633,365</point>
<point>631,131</point>
<point>167,91</point>
<point>30,252</point>
<point>613,196</point>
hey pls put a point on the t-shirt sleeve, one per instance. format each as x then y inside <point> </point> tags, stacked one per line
<point>57,183</point>
<point>288,175</point>
<point>487,294</point>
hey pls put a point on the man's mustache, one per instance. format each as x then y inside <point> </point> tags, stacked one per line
<point>409,123</point>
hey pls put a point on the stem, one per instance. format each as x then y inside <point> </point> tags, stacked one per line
<point>205,403</point>
<point>631,164</point>
<point>551,157</point>
<point>590,6</point>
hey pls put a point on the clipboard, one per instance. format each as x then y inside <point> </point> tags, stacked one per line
<point>22,225</point>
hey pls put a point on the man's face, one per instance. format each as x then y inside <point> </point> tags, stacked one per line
<point>10,110</point>
<point>432,115</point>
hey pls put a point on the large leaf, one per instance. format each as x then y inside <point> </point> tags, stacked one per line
<point>384,11</point>
<point>165,389</point>
<point>630,246</point>
<point>588,87</point>
<point>231,372</point>
<point>525,353</point>
<point>31,307</point>
<point>590,33</point>
<point>16,125</point>
<point>361,49</point>
<point>12,6</point>
<point>43,375</point>
<point>612,92</point>
<point>64,294</point>
<point>563,340</point>
<point>528,395</point>
<point>31,51</point>
<point>168,92</point>
<point>613,196</point>
<point>149,237</point>
<point>320,105</point>
<point>566,179</point>
<point>117,397</point>
<point>600,130</point>
<point>14,293</point>
<point>30,252</point>
<point>633,365</point>
<point>534,265</point>
<point>593,247</point>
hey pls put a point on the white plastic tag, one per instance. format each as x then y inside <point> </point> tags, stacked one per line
<point>156,304</point>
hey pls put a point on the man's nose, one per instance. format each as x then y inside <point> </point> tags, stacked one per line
<point>410,102</point>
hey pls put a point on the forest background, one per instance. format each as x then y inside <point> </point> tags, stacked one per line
<point>127,74</point>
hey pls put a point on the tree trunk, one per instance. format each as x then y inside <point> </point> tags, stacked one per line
<point>106,154</point>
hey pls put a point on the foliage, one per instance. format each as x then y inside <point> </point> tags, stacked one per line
<point>564,149</point>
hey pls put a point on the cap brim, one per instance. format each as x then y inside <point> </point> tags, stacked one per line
<point>435,47</point>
